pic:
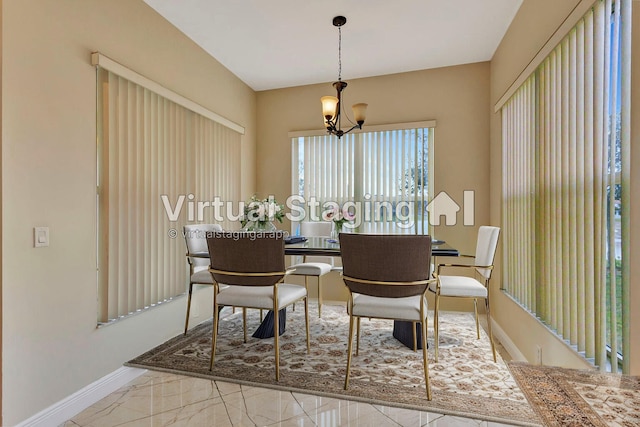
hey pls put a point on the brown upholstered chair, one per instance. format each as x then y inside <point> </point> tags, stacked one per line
<point>387,277</point>
<point>253,267</point>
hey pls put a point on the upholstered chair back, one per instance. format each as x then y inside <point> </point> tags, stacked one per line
<point>259,255</point>
<point>195,235</point>
<point>386,258</point>
<point>486,249</point>
<point>317,229</point>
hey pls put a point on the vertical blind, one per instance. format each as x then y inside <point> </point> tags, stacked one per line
<point>384,173</point>
<point>149,149</point>
<point>559,169</point>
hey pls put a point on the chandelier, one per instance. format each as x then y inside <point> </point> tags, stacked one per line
<point>332,105</point>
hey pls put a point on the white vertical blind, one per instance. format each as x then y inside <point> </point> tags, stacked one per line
<point>379,171</point>
<point>325,165</point>
<point>559,142</point>
<point>216,170</point>
<point>519,184</point>
<point>149,147</point>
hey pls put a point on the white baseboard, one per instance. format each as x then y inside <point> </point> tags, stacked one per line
<point>72,405</point>
<point>506,342</point>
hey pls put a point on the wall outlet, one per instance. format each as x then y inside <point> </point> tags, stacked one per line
<point>538,355</point>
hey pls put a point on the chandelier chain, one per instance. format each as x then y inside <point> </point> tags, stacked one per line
<point>339,53</point>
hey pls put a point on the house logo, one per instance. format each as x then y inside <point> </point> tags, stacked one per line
<point>444,205</point>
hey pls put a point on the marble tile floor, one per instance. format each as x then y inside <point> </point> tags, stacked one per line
<point>163,399</point>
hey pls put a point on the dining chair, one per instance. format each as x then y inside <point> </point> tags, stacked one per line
<point>253,268</point>
<point>314,266</point>
<point>467,286</point>
<point>195,236</point>
<point>387,277</point>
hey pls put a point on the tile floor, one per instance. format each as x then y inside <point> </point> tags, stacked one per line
<point>162,399</point>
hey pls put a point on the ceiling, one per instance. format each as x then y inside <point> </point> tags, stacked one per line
<point>283,43</point>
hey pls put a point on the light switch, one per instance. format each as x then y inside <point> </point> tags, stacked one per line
<point>40,237</point>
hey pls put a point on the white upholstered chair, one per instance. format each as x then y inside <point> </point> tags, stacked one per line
<point>253,267</point>
<point>467,286</point>
<point>316,266</point>
<point>388,277</point>
<point>195,236</point>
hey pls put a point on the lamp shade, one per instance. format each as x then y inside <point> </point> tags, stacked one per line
<point>360,112</point>
<point>329,107</point>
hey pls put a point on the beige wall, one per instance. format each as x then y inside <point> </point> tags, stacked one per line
<point>534,24</point>
<point>51,347</point>
<point>456,97</point>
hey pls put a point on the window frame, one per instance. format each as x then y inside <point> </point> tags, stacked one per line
<point>297,138</point>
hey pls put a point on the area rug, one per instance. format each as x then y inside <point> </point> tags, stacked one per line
<point>465,382</point>
<point>569,397</point>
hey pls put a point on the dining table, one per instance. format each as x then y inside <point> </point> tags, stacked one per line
<point>325,246</point>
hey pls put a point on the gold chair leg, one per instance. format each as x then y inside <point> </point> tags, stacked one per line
<point>276,330</point>
<point>319,297</point>
<point>475,310</point>
<point>244,324</point>
<point>493,347</point>
<point>186,321</point>
<point>214,333</point>
<point>425,359</point>
<point>435,326</point>
<point>349,349</point>
<point>276,340</point>
<point>358,337</point>
<point>415,338</point>
<point>306,286</point>
<point>306,319</point>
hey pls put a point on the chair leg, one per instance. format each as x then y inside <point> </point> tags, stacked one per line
<point>415,338</point>
<point>261,315</point>
<point>349,349</point>
<point>275,339</point>
<point>214,333</point>
<point>358,337</point>
<point>306,286</point>
<point>186,321</point>
<point>475,310</point>
<point>244,324</point>
<point>319,297</point>
<point>493,347</point>
<point>425,359</point>
<point>436,325</point>
<point>306,319</point>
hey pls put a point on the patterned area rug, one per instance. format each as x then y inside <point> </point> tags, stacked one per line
<point>465,382</point>
<point>569,397</point>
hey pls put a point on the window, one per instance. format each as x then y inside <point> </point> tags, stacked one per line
<point>383,176</point>
<point>160,163</point>
<point>565,158</point>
